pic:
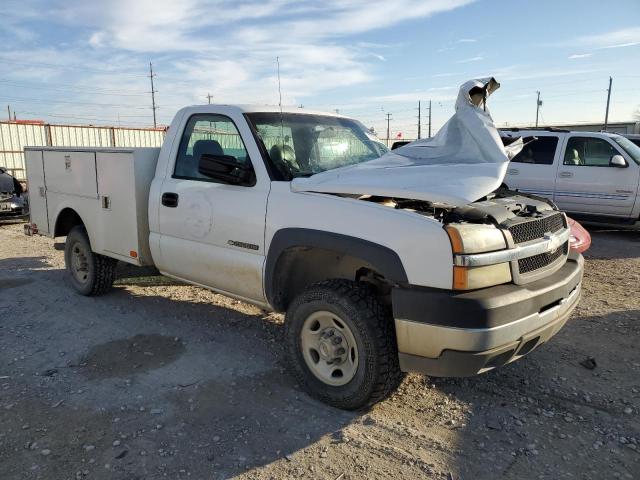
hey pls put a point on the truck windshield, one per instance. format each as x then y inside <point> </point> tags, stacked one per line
<point>300,145</point>
<point>628,146</point>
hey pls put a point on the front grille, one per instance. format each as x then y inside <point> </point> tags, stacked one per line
<point>530,264</point>
<point>536,228</point>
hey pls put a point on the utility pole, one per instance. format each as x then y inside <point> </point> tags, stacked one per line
<point>388,130</point>
<point>429,118</point>
<point>538,104</point>
<point>153,95</point>
<point>606,115</point>
<point>419,119</point>
<point>9,111</point>
<point>209,97</point>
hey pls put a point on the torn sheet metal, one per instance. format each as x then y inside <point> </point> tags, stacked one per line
<point>465,161</point>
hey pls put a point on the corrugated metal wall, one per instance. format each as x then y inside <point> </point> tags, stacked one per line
<point>15,136</point>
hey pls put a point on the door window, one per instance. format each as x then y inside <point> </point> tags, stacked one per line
<point>207,133</point>
<point>589,152</point>
<point>539,151</point>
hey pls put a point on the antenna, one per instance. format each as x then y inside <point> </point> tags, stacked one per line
<point>279,88</point>
<point>280,105</point>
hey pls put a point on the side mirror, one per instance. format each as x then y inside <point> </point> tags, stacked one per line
<point>226,169</point>
<point>618,161</point>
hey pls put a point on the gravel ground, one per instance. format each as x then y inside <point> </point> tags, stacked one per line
<point>163,380</point>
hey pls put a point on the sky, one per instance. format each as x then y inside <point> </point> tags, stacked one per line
<point>79,61</point>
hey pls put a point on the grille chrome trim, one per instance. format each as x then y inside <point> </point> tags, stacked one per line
<point>549,243</point>
<point>528,230</point>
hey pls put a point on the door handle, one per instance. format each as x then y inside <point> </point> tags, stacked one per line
<point>513,171</point>
<point>170,199</point>
<point>565,174</point>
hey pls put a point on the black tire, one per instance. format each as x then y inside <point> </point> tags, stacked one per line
<point>356,304</point>
<point>98,272</point>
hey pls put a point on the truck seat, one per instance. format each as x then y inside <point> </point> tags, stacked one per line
<point>188,167</point>
<point>572,157</point>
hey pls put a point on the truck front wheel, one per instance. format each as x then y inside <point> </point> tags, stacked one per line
<point>90,273</point>
<point>342,344</point>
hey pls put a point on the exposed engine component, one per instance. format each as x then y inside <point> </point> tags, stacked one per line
<point>499,208</point>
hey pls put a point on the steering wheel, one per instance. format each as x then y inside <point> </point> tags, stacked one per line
<point>283,157</point>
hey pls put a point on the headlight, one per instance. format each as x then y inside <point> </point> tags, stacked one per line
<point>477,238</point>
<point>471,278</point>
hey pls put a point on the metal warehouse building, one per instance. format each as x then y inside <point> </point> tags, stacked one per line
<point>17,134</point>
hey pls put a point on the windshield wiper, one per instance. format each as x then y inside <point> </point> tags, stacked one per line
<point>303,174</point>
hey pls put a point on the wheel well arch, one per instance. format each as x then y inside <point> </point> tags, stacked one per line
<point>65,221</point>
<point>300,257</point>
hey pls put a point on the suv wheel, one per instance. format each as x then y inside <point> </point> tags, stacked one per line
<point>342,344</point>
<point>90,273</point>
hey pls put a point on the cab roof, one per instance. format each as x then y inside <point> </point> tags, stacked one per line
<point>254,108</point>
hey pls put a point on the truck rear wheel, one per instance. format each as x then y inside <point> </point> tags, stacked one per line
<point>342,344</point>
<point>90,273</point>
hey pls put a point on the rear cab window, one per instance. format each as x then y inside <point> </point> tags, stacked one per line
<point>537,150</point>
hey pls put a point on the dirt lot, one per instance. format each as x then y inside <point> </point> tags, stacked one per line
<point>162,380</point>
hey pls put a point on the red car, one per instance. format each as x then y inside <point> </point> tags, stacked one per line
<point>580,240</point>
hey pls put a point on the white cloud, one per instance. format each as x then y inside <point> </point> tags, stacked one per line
<point>626,37</point>
<point>622,45</point>
<point>472,59</point>
<point>579,55</point>
<point>467,40</point>
<point>410,97</point>
<point>230,48</point>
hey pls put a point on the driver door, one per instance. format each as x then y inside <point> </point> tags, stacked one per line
<point>588,184</point>
<point>213,233</point>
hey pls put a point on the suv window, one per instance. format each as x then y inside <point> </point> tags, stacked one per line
<point>207,133</point>
<point>538,150</point>
<point>589,152</point>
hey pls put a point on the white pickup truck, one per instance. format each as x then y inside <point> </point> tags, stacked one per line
<point>593,176</point>
<point>380,268</point>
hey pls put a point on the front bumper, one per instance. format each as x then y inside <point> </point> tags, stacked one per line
<point>12,206</point>
<point>458,334</point>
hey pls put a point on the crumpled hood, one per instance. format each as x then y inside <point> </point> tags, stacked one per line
<point>465,161</point>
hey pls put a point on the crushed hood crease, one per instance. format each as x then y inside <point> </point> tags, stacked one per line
<point>464,161</point>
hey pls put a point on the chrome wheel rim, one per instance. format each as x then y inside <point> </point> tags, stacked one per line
<point>329,348</point>
<point>79,262</point>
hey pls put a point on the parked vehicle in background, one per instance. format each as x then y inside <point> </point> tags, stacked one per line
<point>13,198</point>
<point>635,138</point>
<point>381,269</point>
<point>580,239</point>
<point>592,176</point>
<point>399,143</point>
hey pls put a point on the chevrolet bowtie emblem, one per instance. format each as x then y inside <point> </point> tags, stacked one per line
<point>554,242</point>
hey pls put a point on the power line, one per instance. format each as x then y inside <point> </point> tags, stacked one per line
<point>70,66</point>
<point>73,88</point>
<point>68,102</point>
